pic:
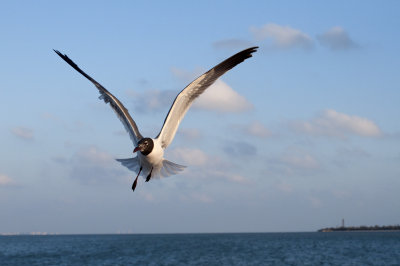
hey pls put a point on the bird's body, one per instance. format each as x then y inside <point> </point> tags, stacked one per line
<point>154,160</point>
<point>150,162</point>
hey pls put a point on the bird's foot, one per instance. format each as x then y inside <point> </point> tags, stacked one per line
<point>149,176</point>
<point>135,182</point>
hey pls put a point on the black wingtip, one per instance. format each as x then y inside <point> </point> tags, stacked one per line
<point>58,52</point>
<point>249,51</point>
<point>63,56</point>
<point>75,66</point>
<point>254,49</point>
<point>66,58</point>
<point>235,59</point>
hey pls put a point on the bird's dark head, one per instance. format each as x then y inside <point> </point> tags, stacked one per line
<point>145,146</point>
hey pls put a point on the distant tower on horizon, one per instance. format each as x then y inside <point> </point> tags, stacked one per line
<point>343,222</point>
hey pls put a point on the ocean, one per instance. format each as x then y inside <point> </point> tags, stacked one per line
<point>334,248</point>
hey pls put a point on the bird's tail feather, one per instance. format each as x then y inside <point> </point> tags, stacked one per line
<point>167,168</point>
<point>170,168</point>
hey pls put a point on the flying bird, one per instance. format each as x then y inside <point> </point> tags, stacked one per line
<point>150,160</point>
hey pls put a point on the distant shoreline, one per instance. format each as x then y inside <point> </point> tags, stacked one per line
<point>361,228</point>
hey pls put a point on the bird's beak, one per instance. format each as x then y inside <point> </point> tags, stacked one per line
<point>136,149</point>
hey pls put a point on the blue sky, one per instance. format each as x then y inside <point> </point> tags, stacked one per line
<point>301,135</point>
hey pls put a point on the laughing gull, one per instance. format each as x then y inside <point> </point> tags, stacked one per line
<point>150,160</point>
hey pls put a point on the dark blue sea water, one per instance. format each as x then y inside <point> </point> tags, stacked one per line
<point>335,248</point>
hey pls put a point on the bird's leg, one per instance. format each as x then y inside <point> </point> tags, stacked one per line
<point>149,176</point>
<point>135,182</point>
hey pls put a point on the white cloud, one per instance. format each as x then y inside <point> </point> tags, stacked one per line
<point>5,181</point>
<point>219,97</point>
<point>336,38</point>
<point>282,37</point>
<point>23,133</point>
<point>334,124</point>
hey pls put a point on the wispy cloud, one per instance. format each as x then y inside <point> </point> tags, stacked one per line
<point>49,116</point>
<point>345,156</point>
<point>293,162</point>
<point>255,129</point>
<point>71,126</point>
<point>282,37</point>
<point>149,197</point>
<point>152,100</point>
<point>352,152</point>
<point>201,165</point>
<point>224,174</point>
<point>334,124</point>
<point>6,181</point>
<point>286,37</point>
<point>239,148</point>
<point>190,134</point>
<point>300,161</point>
<point>285,187</point>
<point>315,202</point>
<point>195,196</point>
<point>190,156</point>
<point>90,165</point>
<point>23,133</point>
<point>336,39</point>
<point>201,197</point>
<point>258,129</point>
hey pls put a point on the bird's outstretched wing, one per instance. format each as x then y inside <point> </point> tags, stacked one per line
<point>115,104</point>
<point>185,98</point>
